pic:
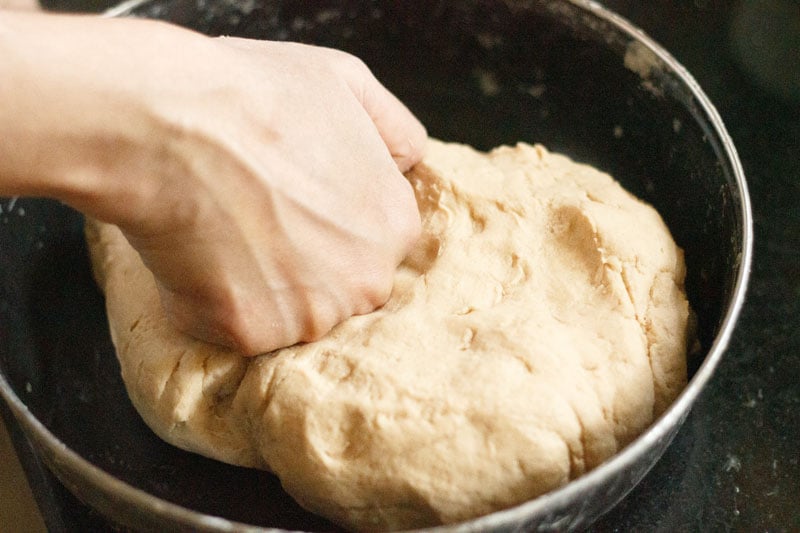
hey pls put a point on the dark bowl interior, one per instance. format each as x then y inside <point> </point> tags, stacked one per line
<point>478,72</point>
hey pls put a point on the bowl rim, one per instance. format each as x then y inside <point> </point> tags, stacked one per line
<point>673,417</point>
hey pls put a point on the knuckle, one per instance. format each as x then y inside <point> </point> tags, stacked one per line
<point>411,228</point>
<point>323,315</point>
<point>410,151</point>
<point>353,71</point>
<point>254,331</point>
<point>406,224</point>
<point>349,63</point>
<point>376,289</point>
<point>225,322</point>
<point>243,340</point>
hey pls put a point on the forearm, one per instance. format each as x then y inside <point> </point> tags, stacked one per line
<point>51,135</point>
<point>72,126</point>
<point>19,4</point>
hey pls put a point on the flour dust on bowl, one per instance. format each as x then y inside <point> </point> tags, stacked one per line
<point>566,74</point>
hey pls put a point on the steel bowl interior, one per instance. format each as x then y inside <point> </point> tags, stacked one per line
<point>568,74</point>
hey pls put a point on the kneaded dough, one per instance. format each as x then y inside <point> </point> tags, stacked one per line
<point>538,327</point>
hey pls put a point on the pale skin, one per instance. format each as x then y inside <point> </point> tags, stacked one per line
<point>261,182</point>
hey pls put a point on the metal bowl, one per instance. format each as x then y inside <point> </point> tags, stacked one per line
<point>568,74</point>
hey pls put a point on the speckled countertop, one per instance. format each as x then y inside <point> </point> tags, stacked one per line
<point>735,464</point>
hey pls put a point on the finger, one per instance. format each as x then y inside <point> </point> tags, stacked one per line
<point>250,333</point>
<point>403,134</point>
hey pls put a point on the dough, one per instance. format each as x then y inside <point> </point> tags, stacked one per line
<point>539,326</point>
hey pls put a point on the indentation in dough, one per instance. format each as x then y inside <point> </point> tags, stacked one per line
<point>342,437</point>
<point>576,238</point>
<point>222,378</point>
<point>333,367</point>
<point>518,273</point>
<point>577,454</point>
<point>509,208</point>
<point>478,221</point>
<point>466,339</point>
<point>171,377</point>
<point>424,253</point>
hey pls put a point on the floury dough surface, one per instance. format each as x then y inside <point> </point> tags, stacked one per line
<point>539,326</point>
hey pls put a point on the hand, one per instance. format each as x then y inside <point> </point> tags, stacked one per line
<point>287,213</point>
<point>27,5</point>
<point>260,181</point>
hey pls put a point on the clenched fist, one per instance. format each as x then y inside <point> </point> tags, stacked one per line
<point>261,182</point>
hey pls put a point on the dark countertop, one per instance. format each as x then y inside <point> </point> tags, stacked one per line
<point>735,464</point>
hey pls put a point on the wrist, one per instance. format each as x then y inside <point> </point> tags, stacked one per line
<point>28,5</point>
<point>74,122</point>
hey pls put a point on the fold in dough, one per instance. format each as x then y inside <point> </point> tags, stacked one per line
<point>538,327</point>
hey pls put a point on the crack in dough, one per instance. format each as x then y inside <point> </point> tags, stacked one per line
<point>537,328</point>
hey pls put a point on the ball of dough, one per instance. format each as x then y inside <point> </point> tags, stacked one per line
<point>538,327</point>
